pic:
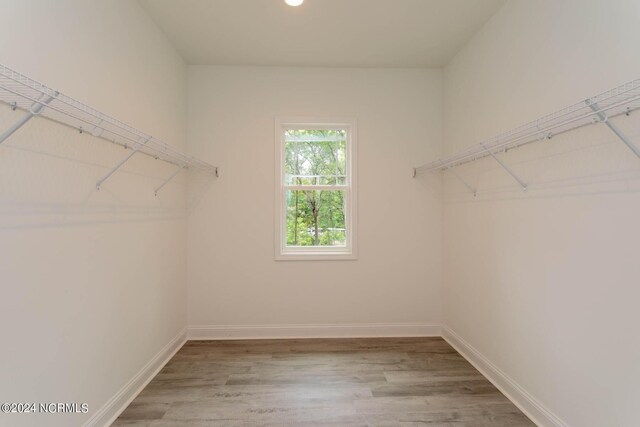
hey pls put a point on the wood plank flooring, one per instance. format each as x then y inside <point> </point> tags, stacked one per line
<point>340,382</point>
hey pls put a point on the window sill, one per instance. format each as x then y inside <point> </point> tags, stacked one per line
<point>316,256</point>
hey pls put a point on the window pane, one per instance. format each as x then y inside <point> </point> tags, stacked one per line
<point>315,218</point>
<point>315,157</point>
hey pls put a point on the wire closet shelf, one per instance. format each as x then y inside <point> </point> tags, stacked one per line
<point>598,109</point>
<point>35,99</point>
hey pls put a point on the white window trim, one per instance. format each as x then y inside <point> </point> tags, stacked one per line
<point>311,253</point>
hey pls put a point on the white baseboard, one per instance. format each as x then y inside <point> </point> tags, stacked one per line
<point>106,415</point>
<point>528,404</point>
<point>358,330</point>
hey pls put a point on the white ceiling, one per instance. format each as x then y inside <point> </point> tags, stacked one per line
<point>324,33</point>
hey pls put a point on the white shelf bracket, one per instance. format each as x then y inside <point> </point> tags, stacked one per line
<point>97,131</point>
<point>604,119</point>
<point>119,165</point>
<point>469,187</point>
<point>35,109</point>
<point>506,168</point>
<point>166,181</point>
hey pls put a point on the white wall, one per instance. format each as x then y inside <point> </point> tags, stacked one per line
<point>545,284</point>
<point>233,278</point>
<point>93,283</point>
<point>542,284</point>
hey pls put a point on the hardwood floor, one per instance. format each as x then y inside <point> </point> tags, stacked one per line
<point>360,382</point>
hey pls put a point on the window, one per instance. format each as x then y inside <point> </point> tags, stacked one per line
<point>315,189</point>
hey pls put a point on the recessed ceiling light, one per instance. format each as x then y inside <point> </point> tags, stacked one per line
<point>293,2</point>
